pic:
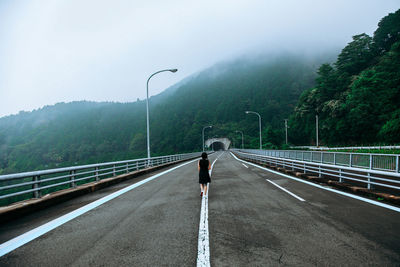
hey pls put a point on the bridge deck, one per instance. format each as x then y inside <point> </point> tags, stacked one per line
<point>251,222</point>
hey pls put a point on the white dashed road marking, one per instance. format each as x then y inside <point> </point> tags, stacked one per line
<point>376,203</point>
<point>287,191</point>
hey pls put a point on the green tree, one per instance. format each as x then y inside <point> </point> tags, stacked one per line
<point>391,129</point>
<point>388,32</point>
<point>374,99</point>
<point>357,55</point>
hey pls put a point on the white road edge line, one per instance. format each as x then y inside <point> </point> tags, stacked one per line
<point>245,165</point>
<point>21,240</point>
<point>376,203</point>
<point>287,191</point>
<point>203,249</point>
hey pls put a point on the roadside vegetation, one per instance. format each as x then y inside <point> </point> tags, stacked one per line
<point>357,98</point>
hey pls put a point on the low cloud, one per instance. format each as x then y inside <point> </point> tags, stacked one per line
<point>54,51</point>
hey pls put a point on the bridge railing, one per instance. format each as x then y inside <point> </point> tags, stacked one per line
<point>20,186</point>
<point>382,162</point>
<point>372,179</point>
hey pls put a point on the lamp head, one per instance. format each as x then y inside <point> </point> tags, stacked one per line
<point>247,112</point>
<point>173,70</point>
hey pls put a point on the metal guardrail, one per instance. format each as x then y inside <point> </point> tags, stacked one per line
<point>362,176</point>
<point>347,147</point>
<point>37,183</point>
<point>382,162</point>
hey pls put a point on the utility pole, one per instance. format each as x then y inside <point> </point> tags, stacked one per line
<point>316,128</point>
<point>286,127</point>
<point>242,138</point>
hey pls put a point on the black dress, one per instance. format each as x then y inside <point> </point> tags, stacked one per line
<point>204,176</point>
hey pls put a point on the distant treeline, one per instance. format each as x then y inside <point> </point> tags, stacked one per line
<point>357,100</point>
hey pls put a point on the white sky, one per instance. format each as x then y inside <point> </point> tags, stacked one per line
<point>59,51</point>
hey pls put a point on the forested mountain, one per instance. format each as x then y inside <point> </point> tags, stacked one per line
<point>357,98</point>
<point>87,132</point>
<point>66,134</point>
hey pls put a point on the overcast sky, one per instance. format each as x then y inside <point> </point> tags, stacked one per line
<point>60,51</point>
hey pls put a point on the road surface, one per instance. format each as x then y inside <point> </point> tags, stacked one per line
<point>252,221</point>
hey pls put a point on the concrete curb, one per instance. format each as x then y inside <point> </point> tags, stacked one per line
<point>21,208</point>
<point>362,191</point>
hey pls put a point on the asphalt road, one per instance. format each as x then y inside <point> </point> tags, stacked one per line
<point>251,223</point>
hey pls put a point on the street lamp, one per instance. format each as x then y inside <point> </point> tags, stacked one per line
<point>242,137</point>
<point>259,122</point>
<point>147,109</point>
<point>210,126</point>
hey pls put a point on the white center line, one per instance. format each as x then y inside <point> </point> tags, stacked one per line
<point>287,191</point>
<point>244,165</point>
<point>41,230</point>
<point>203,249</point>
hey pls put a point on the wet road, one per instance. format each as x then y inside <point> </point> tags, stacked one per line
<point>252,222</point>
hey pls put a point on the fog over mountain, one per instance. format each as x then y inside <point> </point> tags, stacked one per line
<point>63,51</point>
<point>350,90</point>
<point>88,132</point>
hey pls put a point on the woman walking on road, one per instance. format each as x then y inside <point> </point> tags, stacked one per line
<point>204,177</point>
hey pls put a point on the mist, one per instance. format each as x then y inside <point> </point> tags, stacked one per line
<point>57,51</point>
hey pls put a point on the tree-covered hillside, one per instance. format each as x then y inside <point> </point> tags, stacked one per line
<point>87,132</point>
<point>357,98</point>
<point>67,134</point>
<point>221,95</point>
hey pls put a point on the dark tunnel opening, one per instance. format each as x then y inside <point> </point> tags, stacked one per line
<point>216,146</point>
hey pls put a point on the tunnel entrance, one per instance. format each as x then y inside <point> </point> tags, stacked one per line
<point>216,146</point>
<point>218,143</point>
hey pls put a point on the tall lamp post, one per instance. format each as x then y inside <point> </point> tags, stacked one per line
<point>147,109</point>
<point>242,137</point>
<point>210,126</point>
<point>259,122</point>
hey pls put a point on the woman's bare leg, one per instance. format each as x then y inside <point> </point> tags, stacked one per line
<point>205,189</point>
<point>201,188</point>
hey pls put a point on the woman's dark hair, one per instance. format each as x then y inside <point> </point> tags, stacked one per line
<point>204,155</point>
